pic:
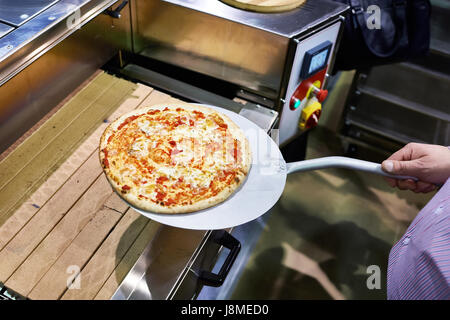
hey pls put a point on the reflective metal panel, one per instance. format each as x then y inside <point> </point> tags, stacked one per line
<point>204,43</point>
<point>18,12</point>
<point>4,29</point>
<point>245,48</point>
<point>287,24</point>
<point>26,43</point>
<point>46,79</point>
<point>162,263</point>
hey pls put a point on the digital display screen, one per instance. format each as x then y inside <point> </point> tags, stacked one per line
<point>318,61</point>
<point>315,59</point>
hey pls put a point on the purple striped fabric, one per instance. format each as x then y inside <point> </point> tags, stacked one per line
<point>419,264</point>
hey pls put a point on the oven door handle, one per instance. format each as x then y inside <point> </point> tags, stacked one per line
<point>116,12</point>
<point>226,240</point>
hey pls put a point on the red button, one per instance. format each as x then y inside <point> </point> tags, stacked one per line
<point>322,95</point>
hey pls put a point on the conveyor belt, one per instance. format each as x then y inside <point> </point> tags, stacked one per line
<point>58,214</point>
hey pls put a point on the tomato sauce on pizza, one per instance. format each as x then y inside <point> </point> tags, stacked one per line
<point>175,158</point>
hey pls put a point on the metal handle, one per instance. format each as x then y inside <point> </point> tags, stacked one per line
<point>116,12</point>
<point>342,162</point>
<point>225,239</point>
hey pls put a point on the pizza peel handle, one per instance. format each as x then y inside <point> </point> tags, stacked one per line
<point>342,162</point>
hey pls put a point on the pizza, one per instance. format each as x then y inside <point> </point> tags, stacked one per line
<point>174,158</point>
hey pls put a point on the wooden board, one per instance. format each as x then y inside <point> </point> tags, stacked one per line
<point>62,174</point>
<point>106,259</point>
<point>68,218</point>
<point>33,161</point>
<point>265,5</point>
<point>123,267</point>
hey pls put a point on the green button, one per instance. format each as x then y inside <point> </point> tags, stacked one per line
<point>297,104</point>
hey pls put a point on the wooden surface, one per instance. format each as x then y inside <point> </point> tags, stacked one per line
<point>58,214</point>
<point>265,5</point>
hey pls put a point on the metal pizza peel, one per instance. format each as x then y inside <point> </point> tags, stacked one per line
<point>263,186</point>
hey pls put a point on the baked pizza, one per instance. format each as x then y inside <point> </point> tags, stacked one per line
<point>174,158</point>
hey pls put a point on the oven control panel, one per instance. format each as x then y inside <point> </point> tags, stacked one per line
<point>305,92</point>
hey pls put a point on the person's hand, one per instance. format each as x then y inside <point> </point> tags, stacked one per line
<point>429,163</point>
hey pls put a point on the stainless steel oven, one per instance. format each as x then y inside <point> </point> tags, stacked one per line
<point>268,59</point>
<point>270,68</point>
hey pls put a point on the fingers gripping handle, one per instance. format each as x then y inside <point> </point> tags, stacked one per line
<point>342,162</point>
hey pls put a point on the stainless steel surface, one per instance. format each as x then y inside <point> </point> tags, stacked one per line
<point>258,55</point>
<point>289,119</point>
<point>248,234</point>
<point>4,29</point>
<point>207,36</point>
<point>56,69</point>
<point>18,12</point>
<point>287,24</point>
<point>263,117</point>
<point>163,264</point>
<point>204,261</point>
<point>210,45</point>
<point>23,45</point>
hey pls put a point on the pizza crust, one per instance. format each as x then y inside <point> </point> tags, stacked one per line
<point>150,206</point>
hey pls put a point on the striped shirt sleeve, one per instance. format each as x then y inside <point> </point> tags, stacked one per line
<point>419,264</point>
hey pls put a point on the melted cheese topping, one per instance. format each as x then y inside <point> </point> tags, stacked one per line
<point>173,156</point>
